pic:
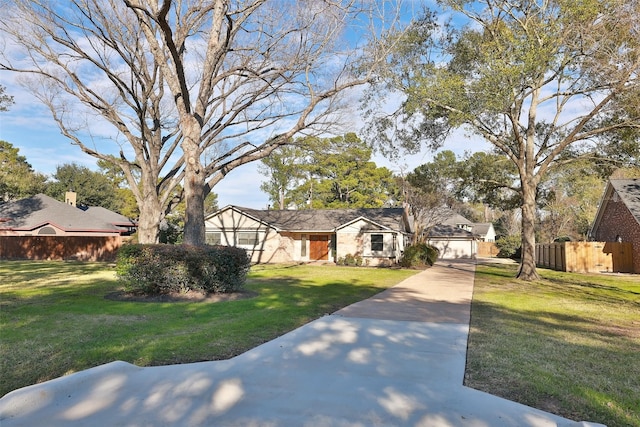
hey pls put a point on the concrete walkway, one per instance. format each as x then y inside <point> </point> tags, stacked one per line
<point>396,359</point>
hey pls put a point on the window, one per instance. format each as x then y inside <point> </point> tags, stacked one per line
<point>47,230</point>
<point>247,239</point>
<point>303,245</point>
<point>377,243</point>
<point>213,238</point>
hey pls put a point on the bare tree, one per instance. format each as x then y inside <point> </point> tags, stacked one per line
<point>193,88</point>
<point>428,208</point>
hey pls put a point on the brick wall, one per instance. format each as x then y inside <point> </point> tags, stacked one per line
<point>617,221</point>
<point>81,248</point>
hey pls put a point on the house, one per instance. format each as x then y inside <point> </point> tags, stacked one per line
<point>41,227</point>
<point>484,231</point>
<point>453,241</point>
<point>44,215</point>
<point>618,216</point>
<point>457,237</point>
<point>379,236</point>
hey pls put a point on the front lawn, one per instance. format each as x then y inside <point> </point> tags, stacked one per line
<point>55,320</point>
<point>568,344</point>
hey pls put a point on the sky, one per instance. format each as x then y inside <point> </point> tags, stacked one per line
<point>28,125</point>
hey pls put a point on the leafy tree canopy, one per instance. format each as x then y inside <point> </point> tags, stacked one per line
<point>17,178</point>
<point>5,100</point>
<point>92,188</point>
<point>328,173</point>
<point>546,83</point>
<point>285,169</point>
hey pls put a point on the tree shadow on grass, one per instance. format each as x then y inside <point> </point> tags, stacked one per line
<point>73,327</point>
<point>546,359</point>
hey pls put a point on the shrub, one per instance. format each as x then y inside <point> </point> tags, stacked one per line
<point>350,260</point>
<point>419,255</point>
<point>162,269</point>
<point>509,246</point>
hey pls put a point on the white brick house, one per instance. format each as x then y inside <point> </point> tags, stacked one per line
<point>379,236</point>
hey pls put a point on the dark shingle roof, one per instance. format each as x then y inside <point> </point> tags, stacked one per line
<point>629,192</point>
<point>33,212</point>
<point>455,219</point>
<point>109,216</point>
<point>449,231</point>
<point>481,228</point>
<point>325,219</point>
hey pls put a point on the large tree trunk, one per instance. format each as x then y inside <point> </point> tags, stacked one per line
<point>149,222</point>
<point>194,184</point>
<point>281,198</point>
<point>528,257</point>
<point>194,213</point>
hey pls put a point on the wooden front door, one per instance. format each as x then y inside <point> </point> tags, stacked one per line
<point>318,247</point>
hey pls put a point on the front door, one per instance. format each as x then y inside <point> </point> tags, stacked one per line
<point>318,247</point>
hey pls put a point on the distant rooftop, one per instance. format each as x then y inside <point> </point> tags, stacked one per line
<point>36,211</point>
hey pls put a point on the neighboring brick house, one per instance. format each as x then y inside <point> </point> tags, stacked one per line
<point>618,216</point>
<point>40,227</point>
<point>379,236</point>
<point>41,215</point>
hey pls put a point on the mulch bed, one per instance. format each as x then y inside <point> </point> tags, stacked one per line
<point>190,296</point>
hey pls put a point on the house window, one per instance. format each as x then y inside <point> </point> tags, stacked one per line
<point>47,230</point>
<point>248,239</point>
<point>213,238</point>
<point>377,243</point>
<point>303,245</point>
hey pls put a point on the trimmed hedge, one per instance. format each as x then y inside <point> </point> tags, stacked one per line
<point>419,255</point>
<point>163,269</point>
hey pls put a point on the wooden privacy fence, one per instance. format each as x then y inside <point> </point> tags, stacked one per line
<point>487,250</point>
<point>586,257</point>
<point>81,248</point>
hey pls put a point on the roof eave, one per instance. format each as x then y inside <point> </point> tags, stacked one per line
<point>65,229</point>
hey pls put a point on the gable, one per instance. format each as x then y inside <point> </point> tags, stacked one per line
<point>308,220</point>
<point>626,191</point>
<point>359,225</point>
<point>483,229</point>
<point>230,218</point>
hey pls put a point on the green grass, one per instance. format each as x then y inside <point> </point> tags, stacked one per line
<point>55,320</point>
<point>568,344</point>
